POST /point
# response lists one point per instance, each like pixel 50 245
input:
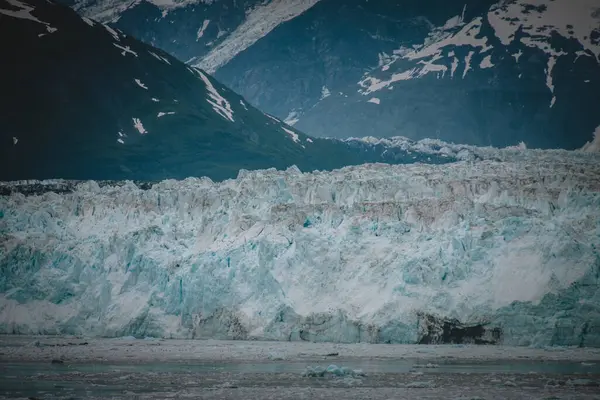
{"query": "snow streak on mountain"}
pixel 523 23
pixel 373 253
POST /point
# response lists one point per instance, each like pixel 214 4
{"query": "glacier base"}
pixel 502 251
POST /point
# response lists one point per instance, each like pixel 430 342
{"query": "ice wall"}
pixel 374 253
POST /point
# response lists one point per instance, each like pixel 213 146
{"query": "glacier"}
pixel 505 245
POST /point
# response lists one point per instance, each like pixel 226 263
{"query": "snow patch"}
pixel 432 51
pixel 292 118
pixel 454 66
pixel 15 140
pixel 539 19
pixel 137 124
pixel 24 12
pixel 162 114
pixel 292 134
pixel 486 62
pixel 126 50
pixel 325 93
pixel 154 99
pixel 112 32
pixel 467 36
pixel 163 59
pixel 218 102
pixel 272 117
pixel 202 29
pixel 553 57
pixel 374 100
pixel 468 59
pixel 518 55
pixel 140 84
pixel 88 21
pixel 259 21
pixel 372 84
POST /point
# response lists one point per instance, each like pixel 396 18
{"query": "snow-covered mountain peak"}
pixel 518 24
pixel 429 56
pixel 540 19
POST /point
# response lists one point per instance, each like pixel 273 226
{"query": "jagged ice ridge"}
pixel 357 254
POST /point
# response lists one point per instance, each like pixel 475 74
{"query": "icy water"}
pixel 283 379
pixel 136 369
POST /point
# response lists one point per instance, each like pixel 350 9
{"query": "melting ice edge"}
pixel 501 250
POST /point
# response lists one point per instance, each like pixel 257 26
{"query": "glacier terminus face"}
pixel 373 253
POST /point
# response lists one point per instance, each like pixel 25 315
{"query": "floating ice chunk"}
pixel 420 385
pixel 275 356
pixel 332 370
pixel 428 365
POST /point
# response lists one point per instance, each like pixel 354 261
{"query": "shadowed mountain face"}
pixel 469 71
pixel 81 100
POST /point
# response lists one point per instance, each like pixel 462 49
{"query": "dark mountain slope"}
pixel 484 72
pixel 80 100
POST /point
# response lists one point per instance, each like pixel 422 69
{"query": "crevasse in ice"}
pixel 358 254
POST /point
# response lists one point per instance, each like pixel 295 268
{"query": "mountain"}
pixel 82 100
pixel 502 250
pixel 483 72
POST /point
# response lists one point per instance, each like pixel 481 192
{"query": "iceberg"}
pixel 503 249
